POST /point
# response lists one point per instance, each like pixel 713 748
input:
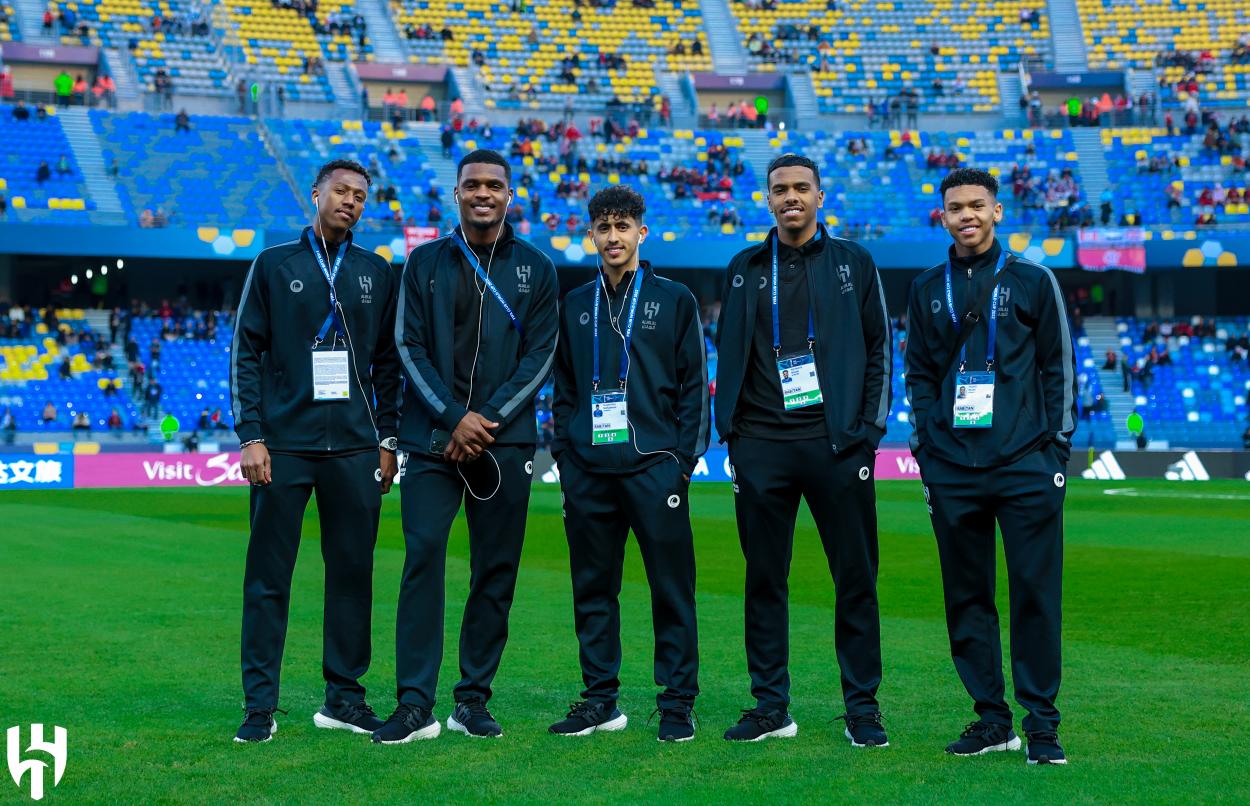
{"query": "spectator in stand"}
pixel 81 425
pixel 20 113
pixel 182 122
pixel 48 417
pixel 43 173
pixel 115 421
pixel 8 426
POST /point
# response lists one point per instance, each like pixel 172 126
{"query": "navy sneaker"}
pixel 865 730
pixel 980 738
pixel 357 717
pixel 1044 748
pixel 472 719
pixel 758 724
pixel 408 724
pixel 258 725
pixel 676 723
pixel 586 718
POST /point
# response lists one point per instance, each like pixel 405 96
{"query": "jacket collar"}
pixel 307 241
pixel 813 247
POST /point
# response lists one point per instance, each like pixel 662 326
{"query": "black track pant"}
pixel 770 479
pixel 431 492
pixel 1026 499
pixel 348 504
pixel 599 511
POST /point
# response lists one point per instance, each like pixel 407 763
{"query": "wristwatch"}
pixel 389 444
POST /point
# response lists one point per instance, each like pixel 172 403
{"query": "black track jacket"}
pixel 284 303
pixel 1034 374
pixel 511 367
pixel 854 351
pixel 667 396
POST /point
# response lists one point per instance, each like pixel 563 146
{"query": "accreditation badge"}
pixel 974 399
pixel 331 375
pixel 609 421
pixel 799 384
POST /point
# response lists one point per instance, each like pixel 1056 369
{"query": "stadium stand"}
pixel 1190 381
pixel 173 36
pixel 560 181
pixel 217 174
pixel 523 48
pixel 307 145
pixel 1176 179
pixel 862 53
pixel 278 46
pixel 9 30
pixel 900 162
pixel 33 142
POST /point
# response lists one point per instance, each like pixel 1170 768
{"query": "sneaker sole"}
pixel 784 732
pixel 272 731
pixel 857 744
pixel 1047 762
pixel 611 726
pixel 1013 743
pixel 675 741
pixel 330 723
pixel 453 724
pixel 430 732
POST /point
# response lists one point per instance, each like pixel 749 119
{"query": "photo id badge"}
pixel 331 375
pixel 799 385
pixel 974 399
pixel 609 423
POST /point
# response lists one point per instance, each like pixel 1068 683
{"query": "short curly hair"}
pixel 346 165
pixel 618 200
pixel 969 176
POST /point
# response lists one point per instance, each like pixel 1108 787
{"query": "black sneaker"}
pixel 980 738
pixel 676 723
pixel 258 725
pixel 586 718
pixel 1044 748
pixel 408 724
pixel 865 730
pixel 757 724
pixel 472 719
pixel 357 718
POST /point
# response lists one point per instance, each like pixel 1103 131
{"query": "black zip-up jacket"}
pixel 854 351
pixel 667 390
pixel 1034 371
pixel 511 367
pixel 285 300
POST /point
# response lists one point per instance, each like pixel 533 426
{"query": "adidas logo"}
pixel 1104 468
pixel 1189 468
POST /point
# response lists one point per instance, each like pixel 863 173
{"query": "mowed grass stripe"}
pixel 120 620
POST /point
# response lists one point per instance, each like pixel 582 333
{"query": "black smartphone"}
pixel 439 440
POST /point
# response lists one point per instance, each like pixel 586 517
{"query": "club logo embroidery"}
pixel 296 286
pixel 523 279
pixel 1059 481
pixel 1004 302
pixel 650 310
pixel 674 501
pixel 366 289
pixel 584 319
pixel 936 306
pixel 529 468
pixel 737 283
pixel 864 473
pixel 844 274
pixel 763 283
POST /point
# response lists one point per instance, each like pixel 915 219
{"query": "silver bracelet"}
pixel 252 442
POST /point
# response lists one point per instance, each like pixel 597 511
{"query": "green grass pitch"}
pixel 120 612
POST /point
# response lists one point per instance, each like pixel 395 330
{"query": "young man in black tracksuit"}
pixel 993 425
pixel 803 391
pixel 315 385
pixel 476 331
pixel 631 419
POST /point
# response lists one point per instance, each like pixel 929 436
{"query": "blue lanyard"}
pixel 628 335
pixel 811 323
pixel 332 319
pixel 991 341
pixel 481 273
